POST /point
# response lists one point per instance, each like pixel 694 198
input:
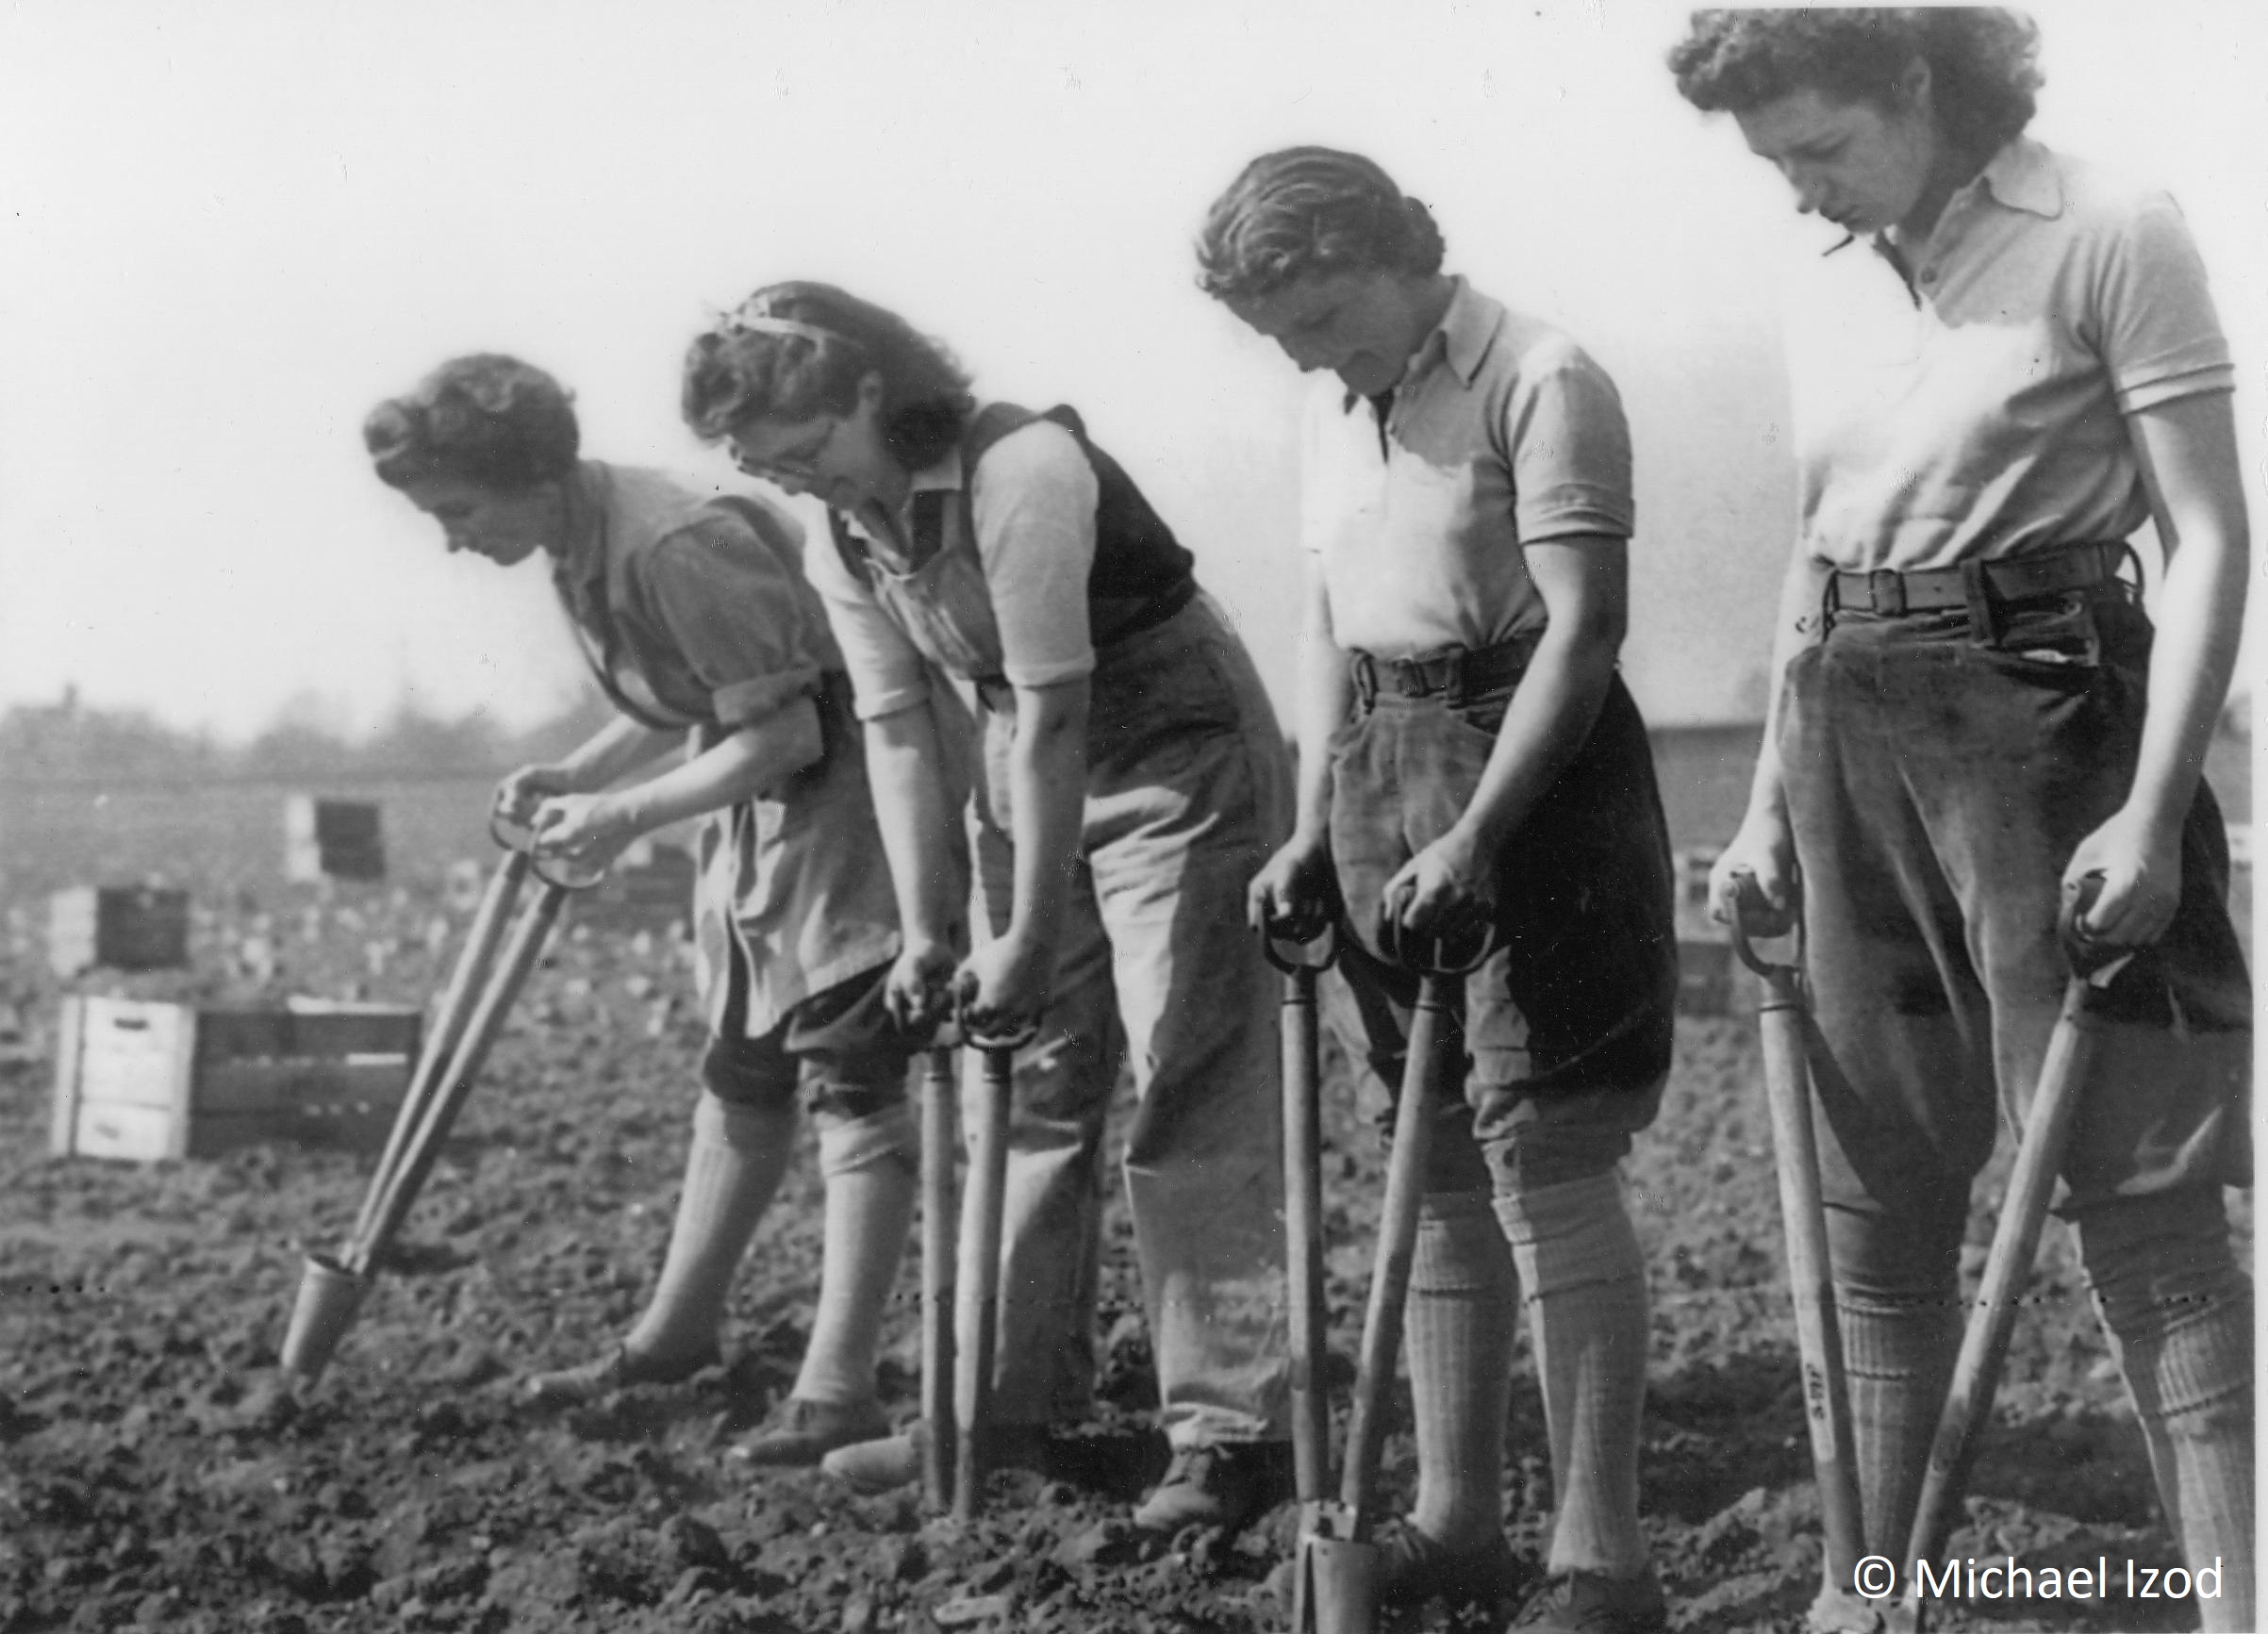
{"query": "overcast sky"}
pixel 231 227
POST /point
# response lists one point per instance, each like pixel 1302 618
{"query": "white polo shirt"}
pixel 1503 433
pixel 1982 411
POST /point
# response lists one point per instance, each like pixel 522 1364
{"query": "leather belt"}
pixel 1456 673
pixel 1890 594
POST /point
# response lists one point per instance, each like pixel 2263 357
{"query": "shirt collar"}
pixel 1467 328
pixel 2022 175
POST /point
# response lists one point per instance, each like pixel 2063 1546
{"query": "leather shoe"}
pixel 1224 1484
pixel 1416 1569
pixel 801 1432
pixel 621 1368
pixel 895 1461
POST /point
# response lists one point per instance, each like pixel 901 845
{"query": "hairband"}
pixel 764 324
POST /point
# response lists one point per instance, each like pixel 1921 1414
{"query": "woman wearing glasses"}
pixel 693 610
pixel 1131 780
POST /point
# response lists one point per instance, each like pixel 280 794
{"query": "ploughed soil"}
pixel 156 1471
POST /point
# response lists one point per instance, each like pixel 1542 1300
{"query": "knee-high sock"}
pixel 871 1166
pixel 738 1156
pixel 1584 1279
pixel 2180 1315
pixel 1898 1360
pixel 1459 1324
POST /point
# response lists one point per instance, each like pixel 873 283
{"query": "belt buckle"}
pixel 1886 590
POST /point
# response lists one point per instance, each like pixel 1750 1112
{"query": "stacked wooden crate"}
pixel 125 927
pixel 337 840
pixel 147 1081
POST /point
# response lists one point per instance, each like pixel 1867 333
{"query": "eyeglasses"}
pixel 800 459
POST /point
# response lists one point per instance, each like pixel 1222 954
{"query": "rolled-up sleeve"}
pixel 2160 337
pixel 887 671
pixel 730 603
pixel 1033 499
pixel 1570 451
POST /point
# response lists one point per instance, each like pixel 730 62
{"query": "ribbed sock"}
pixel 870 1169
pixel 1459 1322
pixel 1897 1358
pixel 2179 1314
pixel 1580 1265
pixel 739 1157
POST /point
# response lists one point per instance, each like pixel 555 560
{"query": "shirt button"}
pixel 1929 274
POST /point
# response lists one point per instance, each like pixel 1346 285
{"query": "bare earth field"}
pixel 155 1474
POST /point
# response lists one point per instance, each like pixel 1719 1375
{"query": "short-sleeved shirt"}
pixel 1502 433
pixel 1981 410
pixel 1022 615
pixel 697 607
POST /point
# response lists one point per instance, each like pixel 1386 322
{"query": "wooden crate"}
pixel 126 926
pixel 144 1080
pixel 339 840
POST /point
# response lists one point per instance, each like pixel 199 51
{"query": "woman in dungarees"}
pixel 1130 781
pixel 1469 759
pixel 2005 361
pixel 692 607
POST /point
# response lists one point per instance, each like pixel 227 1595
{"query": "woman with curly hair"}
pixel 2004 364
pixel 1130 783
pixel 1469 758
pixel 694 611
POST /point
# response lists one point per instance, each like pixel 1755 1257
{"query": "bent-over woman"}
pixel 1131 779
pixel 694 613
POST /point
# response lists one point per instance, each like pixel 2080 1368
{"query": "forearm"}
pixel 615 751
pixel 905 764
pixel 739 767
pixel 2190 463
pixel 1326 695
pixel 1047 793
pixel 2200 619
pixel 1550 714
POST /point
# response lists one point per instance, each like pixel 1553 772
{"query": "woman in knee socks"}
pixel 693 612
pixel 2006 363
pixel 1470 762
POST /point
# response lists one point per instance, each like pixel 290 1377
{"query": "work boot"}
pixel 621 1368
pixel 801 1432
pixel 1228 1484
pixel 1415 1569
pixel 871 1467
pixel 1594 1602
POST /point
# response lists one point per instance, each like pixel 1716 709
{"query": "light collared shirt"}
pixel 1502 434
pixel 1032 509
pixel 1981 410
pixel 691 603
pixel 696 606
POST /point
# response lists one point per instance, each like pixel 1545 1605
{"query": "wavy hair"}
pixel 1983 62
pixel 485 419
pixel 1311 211
pixel 795 351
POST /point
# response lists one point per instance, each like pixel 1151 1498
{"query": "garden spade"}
pixel 2063 1071
pixel 479 997
pixel 1782 1024
pixel 1336 1586
pixel 1303 1211
pixel 940 1223
pixel 979 1302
